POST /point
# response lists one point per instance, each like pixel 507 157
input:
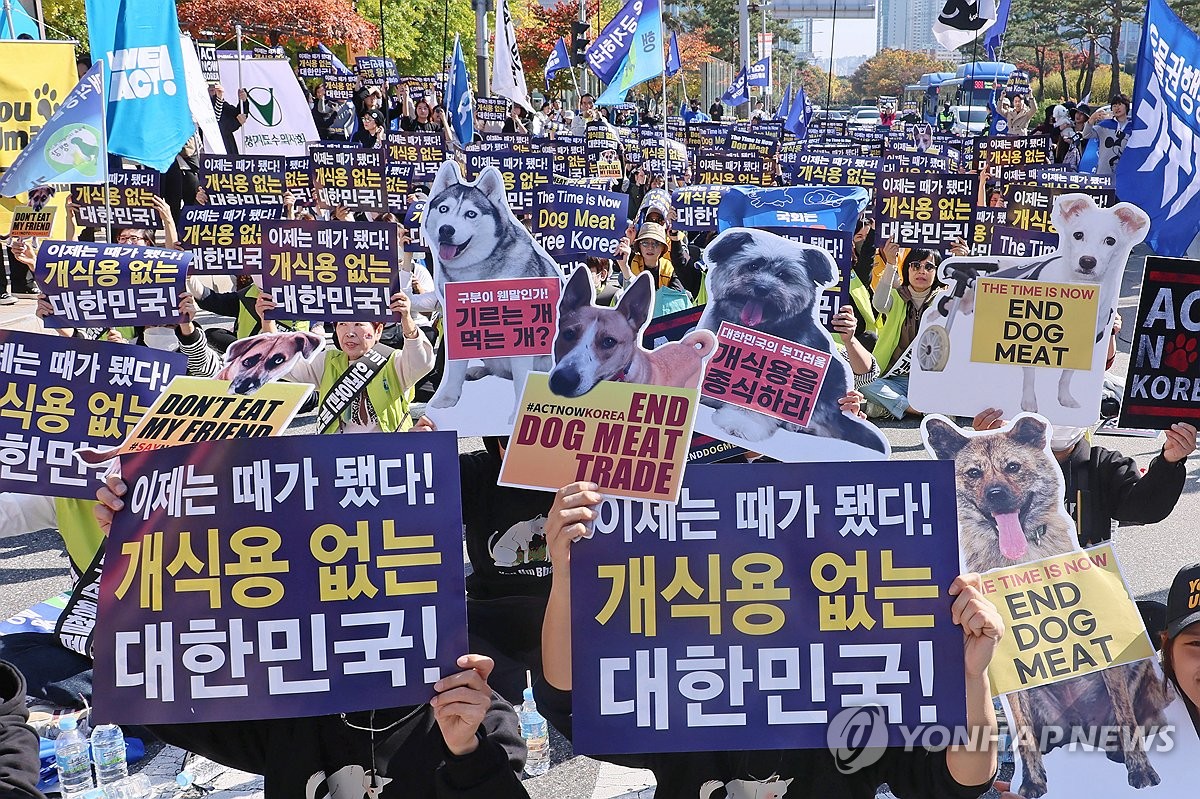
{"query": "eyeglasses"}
pixel 924 266
pixel 131 238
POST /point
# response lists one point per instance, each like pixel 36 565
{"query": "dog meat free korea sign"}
pixel 1031 323
pixel 1068 615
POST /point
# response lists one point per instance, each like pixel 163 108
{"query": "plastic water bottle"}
pixel 537 739
pixel 73 760
pixel 108 753
pixel 136 786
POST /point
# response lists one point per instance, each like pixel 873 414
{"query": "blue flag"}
pixel 673 62
pixel 460 102
pixel 70 146
pixel 558 61
pixel 798 115
pixel 1158 169
pixel 606 55
pixel 736 94
pixel 149 119
pixel 786 105
pixel 760 73
pixel 644 58
pixel 992 41
pixel 22 23
pixel 341 68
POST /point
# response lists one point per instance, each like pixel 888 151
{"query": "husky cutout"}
pixel 474 236
pixel 1010 511
pixel 770 284
pixel 1093 249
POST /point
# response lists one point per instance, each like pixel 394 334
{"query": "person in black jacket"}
pixel 230 117
pixel 19 759
pixel 1104 488
pixel 955 772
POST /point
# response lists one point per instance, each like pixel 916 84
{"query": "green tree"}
pixel 889 71
pixel 417 33
pixel 720 18
pixel 66 18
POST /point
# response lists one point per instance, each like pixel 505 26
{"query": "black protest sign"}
pixel 925 209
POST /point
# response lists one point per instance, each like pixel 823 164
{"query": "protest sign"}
pixel 1030 207
pixel 491 111
pixel 130 192
pixel 1034 323
pixel 925 210
pixel 339 88
pixel 412 226
pixel 243 179
pixel 111 285
pixel 696 207
pixel 761 281
pixel 1161 385
pixel 493 142
pixel 766 146
pixel 1067 615
pixel 827 169
pixel 723 167
pixel 817 598
pixel 659 157
pixel 708 134
pixel 225 240
pixel 350 177
pixel 32 224
pixel 500 318
pixel 330 271
pixel 899 160
pixel 57 399
pixel 525 175
pixel 1018 243
pixel 376 70
pixel 358 602
pixel 421 87
pixel 570 157
pixel 425 151
pixel 314 64
pixel 584 220
pixel 1003 152
pixel 398 183
pixel 832 207
pixel 944 378
pixel 195 409
pixel 297 178
pixel 1061 177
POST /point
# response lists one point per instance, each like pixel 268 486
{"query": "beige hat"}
pixel 654 232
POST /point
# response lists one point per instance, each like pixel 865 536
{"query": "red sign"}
pixel 501 318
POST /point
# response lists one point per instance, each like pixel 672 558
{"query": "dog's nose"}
pixel 997 494
pixel 564 382
pixel 1087 263
pixel 246 386
pixel 446 232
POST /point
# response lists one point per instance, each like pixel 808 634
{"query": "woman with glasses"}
pixel 902 296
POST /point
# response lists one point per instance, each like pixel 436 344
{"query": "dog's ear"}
pixel 307 344
pixel 728 245
pixel 943 438
pixel 578 293
pixel 447 176
pixel 637 300
pixel 820 266
pixel 1031 431
pixel 491 183
pixel 1134 221
pixel 1068 207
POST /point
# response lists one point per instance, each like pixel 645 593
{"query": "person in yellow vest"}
pixel 347 405
pixel 651 256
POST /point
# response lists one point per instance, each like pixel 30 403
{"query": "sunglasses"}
pixel 924 266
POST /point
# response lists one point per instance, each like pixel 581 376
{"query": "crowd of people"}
pixel 465 742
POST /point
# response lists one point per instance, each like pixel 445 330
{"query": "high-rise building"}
pixel 908 25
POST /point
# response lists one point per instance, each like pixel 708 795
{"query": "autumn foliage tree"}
pixel 304 21
pixel 889 71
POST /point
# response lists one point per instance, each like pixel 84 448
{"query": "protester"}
pixel 954 772
pixel 230 118
pixel 540 125
pixel 323 111
pixel 372 130
pixel 651 243
pixel 19 749
pixel 716 110
pixel 1181 640
pixel 945 117
pixel 240 305
pixel 587 113
pixel 416 116
pixel 515 122
pixel 1018 112
pixel 1109 129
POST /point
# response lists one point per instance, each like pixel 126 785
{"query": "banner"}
pixel 808 206
pixel 1018 243
pixel 825 169
pixel 358 601
pixel 149 119
pixel 606 54
pixel 279 122
pixel 1002 152
pixel 961 22
pixel 644 57
pixel 525 175
pixel 131 194
pixel 111 285
pixel 225 241
pixel 766 146
pixel 331 271
pixel 925 210
pixel 508 76
pixel 570 219
pixel 33 75
pixel 57 399
pixel 350 177
pixel 501 318
pixel 374 70
pixel 243 180
pixel 314 64
pixel 1162 385
pixel 760 73
pixel 765 610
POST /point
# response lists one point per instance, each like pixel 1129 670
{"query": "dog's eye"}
pixel 251 360
pixel 471 214
pixel 974 472
pixel 275 360
pixel 569 334
pixel 1078 234
pixel 608 342
pixel 1110 240
pixel 1012 468
pixel 442 209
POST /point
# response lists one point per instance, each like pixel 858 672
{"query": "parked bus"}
pixel 972 84
pixel 925 94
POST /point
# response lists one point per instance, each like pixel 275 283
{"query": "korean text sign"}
pixel 525 175
pixel 350 177
pixel 111 285
pixel 356 602
pixel 243 179
pixel 330 270
pixel 225 240
pixel 769 598
pixel 1032 323
pixel 577 219
pixel 1065 616
pixel 58 399
pixel 130 191
pixel 501 318
pixel 926 209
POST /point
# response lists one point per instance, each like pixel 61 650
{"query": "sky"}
pixel 852 37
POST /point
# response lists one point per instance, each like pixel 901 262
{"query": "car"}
pixel 866 118
pixel 831 116
pixel 968 120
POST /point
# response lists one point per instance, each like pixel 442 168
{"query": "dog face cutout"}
pixel 251 363
pixel 465 223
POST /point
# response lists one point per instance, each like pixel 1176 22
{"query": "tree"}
pixel 303 21
pixel 67 18
pixel 419 34
pixel 719 19
pixel 889 71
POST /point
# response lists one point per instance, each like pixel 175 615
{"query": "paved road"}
pixel 33 566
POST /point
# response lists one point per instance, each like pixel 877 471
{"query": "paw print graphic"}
pixel 46 104
pixel 1181 353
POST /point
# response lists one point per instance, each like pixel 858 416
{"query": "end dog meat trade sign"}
pixel 1163 382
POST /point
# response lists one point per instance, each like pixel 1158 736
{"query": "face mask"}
pixel 1063 438
pixel 160 338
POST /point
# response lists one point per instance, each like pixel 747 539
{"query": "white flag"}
pixel 962 21
pixel 279 122
pixel 508 78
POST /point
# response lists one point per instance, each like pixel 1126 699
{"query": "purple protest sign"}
pixel 330 271
pixel 696 207
pixel 376 70
pixel 768 599
pixel 225 240
pixel 930 210
pixel 293 583
pixel 111 285
pixel 525 174
pixel 831 169
pixel 350 177
pixel 130 199
pixel 243 179
pixel 579 219
pixel 58 399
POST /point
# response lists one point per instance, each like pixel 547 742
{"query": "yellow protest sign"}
pixel 32 224
pixel 193 409
pixel 631 439
pixel 34 77
pixel 1030 323
pixel 1065 616
pixel 58 203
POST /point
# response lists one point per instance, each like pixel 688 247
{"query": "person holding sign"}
pixel 652 243
pixel 1181 641
pixel 954 772
pixel 365 386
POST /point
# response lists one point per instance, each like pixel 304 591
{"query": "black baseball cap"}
pixel 1183 602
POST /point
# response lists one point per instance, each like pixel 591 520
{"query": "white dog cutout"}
pixel 512 546
pixel 1093 249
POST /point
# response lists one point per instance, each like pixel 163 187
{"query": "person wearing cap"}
pixel 1103 487
pixel 1181 640
pixel 649 253
pixel 372 130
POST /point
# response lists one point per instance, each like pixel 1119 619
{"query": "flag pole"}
pixel 241 128
pixel 104 151
pixel 663 79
